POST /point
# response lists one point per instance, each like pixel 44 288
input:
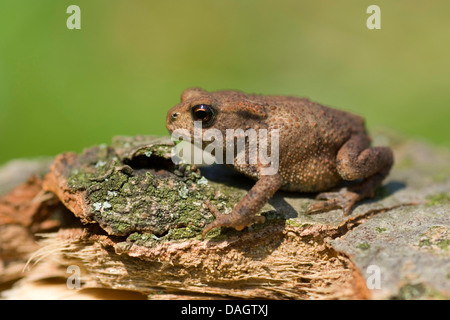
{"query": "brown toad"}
pixel 319 147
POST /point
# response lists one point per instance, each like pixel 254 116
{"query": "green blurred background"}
pixel 63 90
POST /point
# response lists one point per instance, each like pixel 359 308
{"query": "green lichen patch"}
pixel 380 229
pixel 363 246
pixel 441 198
pixel 134 189
pixel 411 291
pixel 435 240
pixel 416 291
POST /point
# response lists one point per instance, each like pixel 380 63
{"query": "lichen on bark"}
pixel 133 189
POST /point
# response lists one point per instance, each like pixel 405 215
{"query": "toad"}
pixel 319 148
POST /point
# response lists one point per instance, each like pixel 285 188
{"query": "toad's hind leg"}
pixel 356 160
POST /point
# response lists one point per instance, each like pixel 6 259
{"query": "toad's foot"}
pixel 233 220
pixel 343 199
pixel 244 212
pixel 347 197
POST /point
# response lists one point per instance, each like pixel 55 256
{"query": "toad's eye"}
pixel 203 113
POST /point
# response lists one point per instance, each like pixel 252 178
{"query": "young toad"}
pixel 319 147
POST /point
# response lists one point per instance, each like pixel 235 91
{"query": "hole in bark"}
pixel 157 165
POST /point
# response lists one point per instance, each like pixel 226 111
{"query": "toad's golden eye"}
pixel 203 113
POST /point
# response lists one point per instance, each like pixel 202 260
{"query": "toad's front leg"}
pixel 244 213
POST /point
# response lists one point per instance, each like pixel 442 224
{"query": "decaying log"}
pixel 130 219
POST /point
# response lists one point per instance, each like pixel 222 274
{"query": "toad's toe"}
pixel 334 200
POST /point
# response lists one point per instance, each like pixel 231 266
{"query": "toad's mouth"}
pixel 179 135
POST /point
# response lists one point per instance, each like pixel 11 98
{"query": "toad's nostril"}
pixel 175 115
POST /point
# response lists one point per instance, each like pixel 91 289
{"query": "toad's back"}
pixel 310 136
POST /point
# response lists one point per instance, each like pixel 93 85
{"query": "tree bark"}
pixel 130 219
